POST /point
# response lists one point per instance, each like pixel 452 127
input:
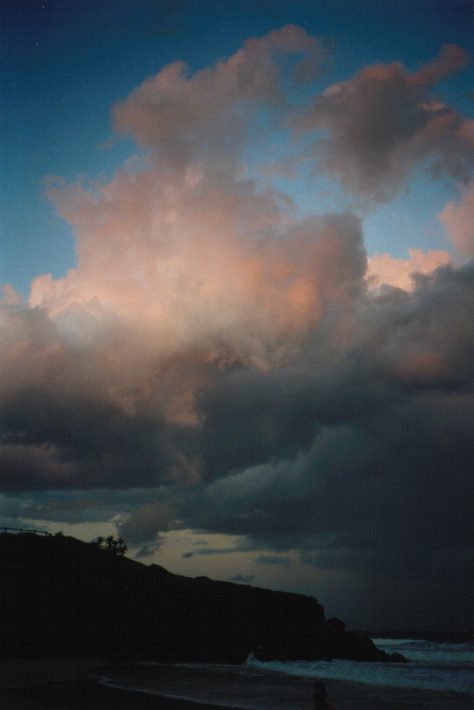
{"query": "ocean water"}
pixel 432 666
pixel 438 675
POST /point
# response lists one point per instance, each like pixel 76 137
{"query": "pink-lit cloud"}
pixel 387 270
pixel 194 262
pixel 458 218
pixel 203 117
pixel 383 122
pixel 10 295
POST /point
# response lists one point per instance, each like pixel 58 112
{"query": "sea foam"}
pixel 430 668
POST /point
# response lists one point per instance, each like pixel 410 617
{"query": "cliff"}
pixel 62 597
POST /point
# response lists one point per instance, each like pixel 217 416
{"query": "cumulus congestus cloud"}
pixel 223 358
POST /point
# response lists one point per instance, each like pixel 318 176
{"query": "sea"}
pixel 439 674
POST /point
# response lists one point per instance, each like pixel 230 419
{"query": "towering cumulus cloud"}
pixel 229 355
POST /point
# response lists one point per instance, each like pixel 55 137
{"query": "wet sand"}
pixel 73 685
pixel 89 697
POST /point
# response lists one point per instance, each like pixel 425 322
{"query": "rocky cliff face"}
pixel 62 597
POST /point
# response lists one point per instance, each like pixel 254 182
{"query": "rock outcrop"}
pixel 62 597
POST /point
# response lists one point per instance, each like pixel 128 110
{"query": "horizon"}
pixel 238 293
pixel 424 634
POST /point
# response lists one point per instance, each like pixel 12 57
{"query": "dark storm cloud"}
pixel 393 563
pixel 273 560
pixel 80 506
pixel 380 432
pixel 402 345
pixel 51 442
pixel 147 521
pixel 62 427
pixel 387 473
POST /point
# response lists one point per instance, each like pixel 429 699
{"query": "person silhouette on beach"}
pixel 320 697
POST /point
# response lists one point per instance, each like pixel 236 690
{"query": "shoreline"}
pixel 93 696
pixel 75 684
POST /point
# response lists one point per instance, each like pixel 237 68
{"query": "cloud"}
pixel 387 270
pixel 363 418
pixel 148 520
pixel 383 122
pixel 149 549
pixel 211 551
pixel 179 279
pixel 242 578
pixel 198 262
pixel 68 420
pixel 458 218
pixel 10 296
pixel 81 506
pixel 273 560
pixel 218 362
pixel 203 117
pixel 375 450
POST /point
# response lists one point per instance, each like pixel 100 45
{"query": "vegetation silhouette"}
pixel 116 546
pixel 61 597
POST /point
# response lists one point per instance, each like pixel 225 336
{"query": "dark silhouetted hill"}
pixel 61 597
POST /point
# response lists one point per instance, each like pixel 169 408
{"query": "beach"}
pixel 72 684
pixel 78 684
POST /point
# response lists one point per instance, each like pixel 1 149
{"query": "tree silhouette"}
pixel 110 544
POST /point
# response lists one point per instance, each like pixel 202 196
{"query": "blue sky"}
pixel 241 335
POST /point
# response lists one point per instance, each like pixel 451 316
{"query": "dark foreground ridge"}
pixel 64 598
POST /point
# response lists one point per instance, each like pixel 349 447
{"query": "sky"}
pixel 237 292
